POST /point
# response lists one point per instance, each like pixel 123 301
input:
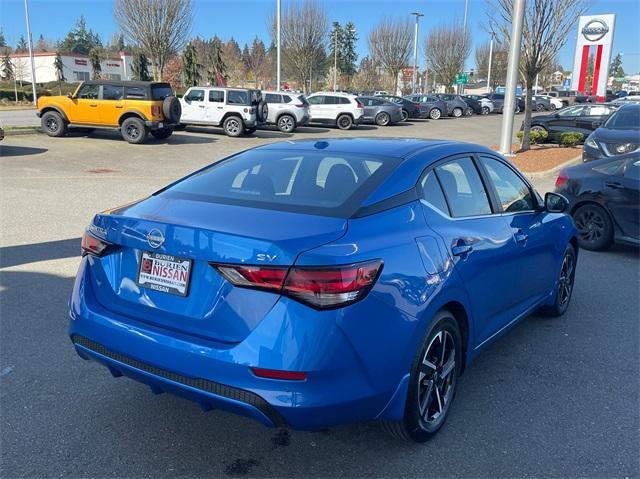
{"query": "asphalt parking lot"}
pixel 552 398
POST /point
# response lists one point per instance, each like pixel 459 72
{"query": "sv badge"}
pixel 266 257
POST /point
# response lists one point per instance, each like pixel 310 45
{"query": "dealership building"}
pixel 76 67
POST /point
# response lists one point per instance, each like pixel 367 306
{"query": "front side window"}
pixel 513 193
pixel 571 111
pixel 463 188
pixel 195 95
pixel 112 92
pixel 316 100
pixel 89 92
pixel 235 97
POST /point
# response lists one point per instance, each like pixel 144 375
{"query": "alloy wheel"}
pixel 565 281
pixel 286 124
pixel 133 132
pixel 435 114
pixel 591 225
pixel 457 112
pixel 52 125
pixel 233 126
pixel 485 110
pixel 436 381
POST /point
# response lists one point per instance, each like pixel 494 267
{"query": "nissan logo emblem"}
pixel 155 238
pixel 594 30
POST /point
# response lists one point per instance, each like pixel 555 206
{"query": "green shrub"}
pixel 535 136
pixel 571 138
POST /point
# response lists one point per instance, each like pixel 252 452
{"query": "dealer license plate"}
pixel 165 273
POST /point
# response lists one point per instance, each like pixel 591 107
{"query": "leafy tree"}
pixel 7 67
pixel 140 67
pixel 42 45
pixel 59 68
pixel 3 41
pixel 255 59
pixel 80 39
pixel 190 65
pixel 367 79
pixel 232 56
pixel 22 46
pixel 217 71
pixel 173 72
pixel 96 55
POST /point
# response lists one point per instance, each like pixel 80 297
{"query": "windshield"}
pixel 624 119
pixel 330 184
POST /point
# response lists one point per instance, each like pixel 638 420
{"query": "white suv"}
pixel 287 110
pixel 236 110
pixel 340 109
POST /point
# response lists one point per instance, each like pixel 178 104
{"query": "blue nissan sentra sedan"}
pixel 313 283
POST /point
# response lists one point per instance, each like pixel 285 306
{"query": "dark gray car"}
pixel 539 103
pixel 456 106
pixel 436 108
pixel 380 111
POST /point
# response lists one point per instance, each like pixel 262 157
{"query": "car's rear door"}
pixel 215 106
pixel 111 103
pixel 457 206
pixel 317 108
pixel 623 197
pixel 533 266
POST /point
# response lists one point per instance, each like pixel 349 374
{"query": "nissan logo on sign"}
pixel 595 30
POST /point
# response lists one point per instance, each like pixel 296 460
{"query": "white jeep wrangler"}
pixel 236 110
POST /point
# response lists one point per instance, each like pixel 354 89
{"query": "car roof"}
pixel 334 93
pixel 124 82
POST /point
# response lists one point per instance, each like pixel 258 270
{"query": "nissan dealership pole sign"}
pixel 595 36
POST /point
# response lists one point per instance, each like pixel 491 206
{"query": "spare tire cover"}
pixel 172 109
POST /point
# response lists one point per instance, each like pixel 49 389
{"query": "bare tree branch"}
pixel 446 49
pixel 390 46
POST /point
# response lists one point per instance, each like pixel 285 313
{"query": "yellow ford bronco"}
pixel 135 107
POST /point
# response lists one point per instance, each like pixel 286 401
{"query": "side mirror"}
pixel 71 95
pixel 555 203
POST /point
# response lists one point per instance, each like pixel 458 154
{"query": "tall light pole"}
pixel 278 45
pixel 335 60
pixel 493 36
pixel 33 66
pixel 506 134
pixel 415 50
pixel 464 27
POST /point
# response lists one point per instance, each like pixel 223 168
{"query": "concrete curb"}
pixel 538 174
pixel 25 130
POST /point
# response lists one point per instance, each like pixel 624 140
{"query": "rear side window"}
pixel 112 92
pixel 331 100
pixel 344 101
pixel 216 96
pixel 463 188
pixel 235 97
pixel 432 193
pixel 273 98
pixel 161 91
pixel 304 182
pixel 286 99
pixel 513 193
pixel 136 93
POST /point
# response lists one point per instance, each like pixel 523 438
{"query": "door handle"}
pixel 200 106
pixel 219 107
pixel 119 106
pixel 614 184
pixel 520 236
pixel 461 248
pixel 93 104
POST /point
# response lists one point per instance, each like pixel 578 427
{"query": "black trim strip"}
pixel 396 200
pixel 206 385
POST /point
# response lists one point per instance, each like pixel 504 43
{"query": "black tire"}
pixel 53 124
pixel 564 286
pixel 540 107
pixel 456 112
pixel 263 111
pixel 163 133
pixel 469 112
pixel 383 119
pixel 485 110
pixel 419 424
pixel 180 127
pixel 435 114
pixel 405 115
pixel 133 130
pixel 344 122
pixel 595 228
pixel 172 109
pixel 538 128
pixel 250 131
pixel 517 108
pixel 233 126
pixel 286 124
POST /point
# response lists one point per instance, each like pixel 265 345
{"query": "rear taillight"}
pixel 93 246
pixel 562 179
pixel 318 287
pixel 359 105
pixel 279 374
pixel 155 110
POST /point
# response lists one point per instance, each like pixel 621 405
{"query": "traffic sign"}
pixel 461 79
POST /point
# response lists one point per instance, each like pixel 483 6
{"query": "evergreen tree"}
pixel 246 58
pixel 140 67
pixel 217 71
pixel 41 44
pixel 336 39
pixel 190 65
pixel 348 55
pixel 255 60
pixel 7 67
pixel 22 47
pixel 80 39
pixel 616 70
pixel 59 68
pixel 3 41
pixel 96 55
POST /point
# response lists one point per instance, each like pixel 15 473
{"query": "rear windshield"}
pixel 624 119
pixel 329 184
pixel 160 92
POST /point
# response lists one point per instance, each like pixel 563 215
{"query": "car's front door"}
pixel 85 108
pixel 623 197
pixel 563 121
pixel 194 106
pixel 480 243
pixel 533 266
pixel 215 106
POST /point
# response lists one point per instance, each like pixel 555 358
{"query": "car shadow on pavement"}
pixel 312 129
pixel 178 138
pixel 8 150
pixel 32 253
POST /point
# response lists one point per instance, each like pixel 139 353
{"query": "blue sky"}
pixel 244 19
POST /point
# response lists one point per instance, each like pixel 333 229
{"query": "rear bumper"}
pixel 158 125
pixel 339 387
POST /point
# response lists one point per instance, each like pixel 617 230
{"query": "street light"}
pixel 335 60
pixel 278 44
pixel 493 36
pixel 33 67
pixel 415 50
